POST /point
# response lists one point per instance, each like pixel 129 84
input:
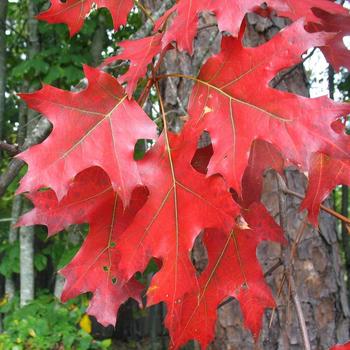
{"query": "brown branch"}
pixel 287 260
pixel 145 11
pixel 273 268
pixel 208 26
pixel 291 70
pixel 300 233
pixel 39 134
pixel 323 207
pixel 279 292
pixel 12 150
pixel 299 312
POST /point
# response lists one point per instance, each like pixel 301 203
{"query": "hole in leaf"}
pixel 199 254
pixel 341 125
pixel 141 147
pixel 203 154
pixel 114 280
pixel 285 81
pixel 105 268
pixel 112 245
pixel 235 195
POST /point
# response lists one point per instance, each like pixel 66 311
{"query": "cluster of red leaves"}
pixel 341 347
pixel 157 206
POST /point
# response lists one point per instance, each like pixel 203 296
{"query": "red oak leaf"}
pixel 181 203
pixel 90 190
pixel 336 53
pixel 262 157
pixel 305 9
pixel 233 270
pixel 140 53
pixel 91 199
pixel 95 127
pixel 74 12
pixel 233 101
pixel 325 174
pixel 341 347
pixel 229 14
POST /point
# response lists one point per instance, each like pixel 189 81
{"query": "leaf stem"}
pixel 143 97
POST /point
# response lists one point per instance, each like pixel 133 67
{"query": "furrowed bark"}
pixel 345 228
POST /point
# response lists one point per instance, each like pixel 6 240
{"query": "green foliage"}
pixel 9 263
pixel 46 324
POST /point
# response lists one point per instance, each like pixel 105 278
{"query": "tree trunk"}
pixel 3 14
pixel 317 271
pixel 27 280
pixel 98 41
pixel 17 201
pixel 13 236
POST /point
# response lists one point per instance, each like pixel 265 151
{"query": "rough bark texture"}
pixel 317 267
pixel 345 229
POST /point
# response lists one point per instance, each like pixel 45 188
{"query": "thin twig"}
pixel 299 311
pixel 39 134
pixel 267 273
pixel 273 268
pixel 287 261
pixel 145 11
pixel 291 70
pixel 300 233
pixel 207 26
pixel 279 292
pixel 323 207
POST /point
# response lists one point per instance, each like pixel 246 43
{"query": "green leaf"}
pixel 40 262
